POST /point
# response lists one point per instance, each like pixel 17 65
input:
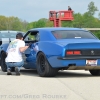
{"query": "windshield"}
pixel 73 34
pixel 8 35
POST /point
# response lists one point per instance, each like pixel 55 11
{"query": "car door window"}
pixel 37 37
pixel 32 36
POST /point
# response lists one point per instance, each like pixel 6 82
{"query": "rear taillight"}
pixel 69 52
pixel 77 52
pixel 73 52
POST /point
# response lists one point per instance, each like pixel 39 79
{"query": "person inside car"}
pixel 33 51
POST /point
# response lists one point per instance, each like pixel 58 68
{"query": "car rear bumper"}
pixel 74 63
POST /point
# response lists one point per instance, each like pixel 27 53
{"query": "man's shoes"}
pixel 9 72
pixel 17 71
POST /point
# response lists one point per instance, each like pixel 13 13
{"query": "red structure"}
pixel 59 16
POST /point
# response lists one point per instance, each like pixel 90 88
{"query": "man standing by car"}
pixel 14 54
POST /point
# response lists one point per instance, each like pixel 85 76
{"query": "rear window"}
pixel 73 34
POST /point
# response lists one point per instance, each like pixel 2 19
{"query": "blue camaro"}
pixel 54 49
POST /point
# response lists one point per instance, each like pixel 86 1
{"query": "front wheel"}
pixel 3 64
pixel 95 72
pixel 43 67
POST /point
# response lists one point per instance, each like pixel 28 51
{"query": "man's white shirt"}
pixel 13 52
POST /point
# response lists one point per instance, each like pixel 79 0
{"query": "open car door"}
pixel 29 56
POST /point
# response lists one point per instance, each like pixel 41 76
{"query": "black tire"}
pixel 95 72
pixel 44 69
pixel 3 64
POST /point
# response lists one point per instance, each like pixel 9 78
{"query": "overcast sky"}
pixel 33 10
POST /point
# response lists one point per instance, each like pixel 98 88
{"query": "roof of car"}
pixel 57 28
pixel 9 31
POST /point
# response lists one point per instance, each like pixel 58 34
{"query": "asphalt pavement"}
pixel 67 85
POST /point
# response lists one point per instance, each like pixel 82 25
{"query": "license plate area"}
pixel 91 62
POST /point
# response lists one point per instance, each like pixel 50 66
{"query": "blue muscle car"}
pixel 60 48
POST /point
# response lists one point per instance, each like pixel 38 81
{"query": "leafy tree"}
pixel 3 23
pixel 99 15
pixel 92 8
pixel 12 23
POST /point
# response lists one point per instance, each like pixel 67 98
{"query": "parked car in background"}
pixel 6 37
pixel 55 49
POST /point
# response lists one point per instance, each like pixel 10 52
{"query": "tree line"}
pixel 86 20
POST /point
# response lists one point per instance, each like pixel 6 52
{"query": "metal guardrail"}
pixel 94 29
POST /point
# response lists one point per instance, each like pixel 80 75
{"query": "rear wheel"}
pixel 43 67
pixel 3 64
pixel 95 72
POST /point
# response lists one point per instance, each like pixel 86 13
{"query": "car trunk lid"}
pixel 79 43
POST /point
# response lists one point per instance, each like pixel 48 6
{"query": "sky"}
pixel 33 10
